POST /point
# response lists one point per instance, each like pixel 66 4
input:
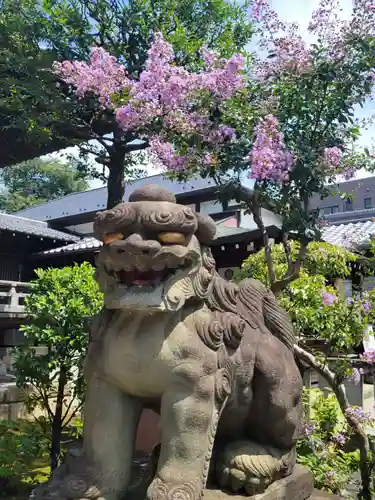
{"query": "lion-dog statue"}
pixel 214 358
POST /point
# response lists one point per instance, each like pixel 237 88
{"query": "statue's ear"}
pixel 206 229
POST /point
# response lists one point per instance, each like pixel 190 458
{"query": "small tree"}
pixel 60 302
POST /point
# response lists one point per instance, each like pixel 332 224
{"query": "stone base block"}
pixel 298 486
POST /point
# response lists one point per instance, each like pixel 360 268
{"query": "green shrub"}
pixel 24 452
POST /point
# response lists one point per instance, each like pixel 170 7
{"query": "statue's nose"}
pixel 135 244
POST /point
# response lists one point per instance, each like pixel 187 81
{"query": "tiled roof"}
pixel 16 224
pixel 347 235
pixel 80 246
pixel 91 243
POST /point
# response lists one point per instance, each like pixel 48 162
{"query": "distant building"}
pixel 338 210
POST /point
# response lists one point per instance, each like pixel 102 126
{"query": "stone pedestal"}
pixel 297 486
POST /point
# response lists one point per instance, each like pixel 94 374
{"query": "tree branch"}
pixel 250 197
pixel 256 211
pixel 44 397
pixel 293 270
pixel 287 249
pixel 87 150
pixel 68 408
pixel 79 407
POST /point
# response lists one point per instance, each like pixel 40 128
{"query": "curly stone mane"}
pixel 251 301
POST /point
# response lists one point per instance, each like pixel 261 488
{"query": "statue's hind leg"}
pixel 272 428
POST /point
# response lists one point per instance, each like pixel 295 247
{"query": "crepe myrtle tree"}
pixel 58 308
pixel 286 120
pixel 164 100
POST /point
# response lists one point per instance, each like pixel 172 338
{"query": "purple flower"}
pixel 308 429
pixel 164 93
pixel 289 50
pixel 368 356
pixel 102 76
pixel 332 157
pixel 269 157
pixel 166 153
pixel 209 57
pixel 367 306
pixel 355 376
pixel 338 439
pixel 358 413
pixel 329 475
pixel 328 299
pixel 349 173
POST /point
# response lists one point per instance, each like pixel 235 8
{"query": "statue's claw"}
pixel 249 466
pixel 236 480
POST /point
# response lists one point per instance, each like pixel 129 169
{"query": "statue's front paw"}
pixel 72 480
pixel 70 487
pixel 163 490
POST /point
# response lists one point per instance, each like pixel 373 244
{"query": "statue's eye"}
pixel 109 238
pixel 172 238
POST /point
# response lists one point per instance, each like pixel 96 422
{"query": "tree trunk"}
pixel 57 421
pixel 116 182
pixel 116 166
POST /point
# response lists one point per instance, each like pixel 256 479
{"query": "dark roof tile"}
pixel 16 224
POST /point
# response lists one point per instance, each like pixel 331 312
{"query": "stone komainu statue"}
pixel 214 358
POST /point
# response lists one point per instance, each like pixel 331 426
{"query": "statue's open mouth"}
pixel 153 277
pixel 142 278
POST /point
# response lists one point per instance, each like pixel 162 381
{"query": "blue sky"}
pixel 300 11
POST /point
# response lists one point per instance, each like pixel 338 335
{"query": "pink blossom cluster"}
pixel 166 153
pixel 165 94
pixel 269 158
pixel 325 17
pixel 369 356
pixel 288 49
pixel 328 299
pixel 102 76
pixel 332 157
pixel 290 54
